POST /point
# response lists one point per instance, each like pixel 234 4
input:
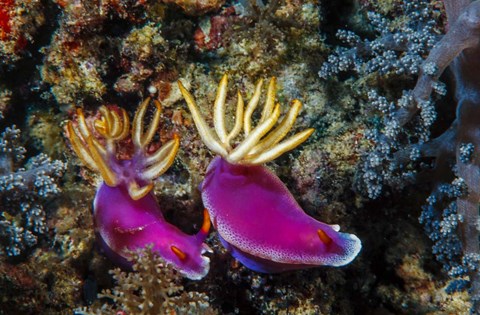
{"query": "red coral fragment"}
pixel 5 18
pixel 209 35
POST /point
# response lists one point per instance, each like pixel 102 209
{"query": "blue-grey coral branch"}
pixel 402 140
pixel 24 191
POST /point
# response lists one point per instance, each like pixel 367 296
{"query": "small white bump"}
pixel 152 90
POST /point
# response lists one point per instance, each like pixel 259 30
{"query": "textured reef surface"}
pixel 390 88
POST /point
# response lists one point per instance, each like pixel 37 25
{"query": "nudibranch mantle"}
pixel 126 214
pixel 256 216
pixel 254 212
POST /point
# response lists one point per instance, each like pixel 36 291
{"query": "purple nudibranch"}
pixel 256 216
pixel 126 214
pixel 258 219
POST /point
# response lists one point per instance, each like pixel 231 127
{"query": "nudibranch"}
pixel 256 216
pixel 126 214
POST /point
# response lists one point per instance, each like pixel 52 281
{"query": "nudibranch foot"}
pixel 255 215
pixel 259 264
pixel 126 214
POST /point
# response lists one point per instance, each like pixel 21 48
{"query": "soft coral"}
pixel 459 51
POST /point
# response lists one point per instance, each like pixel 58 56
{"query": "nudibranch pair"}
pixel 256 216
pixel 126 214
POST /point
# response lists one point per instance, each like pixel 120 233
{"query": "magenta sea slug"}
pixel 126 214
pixel 256 216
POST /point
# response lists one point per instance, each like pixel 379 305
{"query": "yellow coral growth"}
pixel 261 143
pixel 154 288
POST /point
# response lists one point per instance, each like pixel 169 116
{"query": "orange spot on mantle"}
pixel 324 237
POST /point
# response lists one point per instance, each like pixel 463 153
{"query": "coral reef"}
pixel 74 73
pixel 29 194
pixel 35 287
pixel 197 7
pixel 141 48
pixel 76 60
pixel 5 97
pixel 371 138
pixel 19 22
pixel 275 31
pixel 82 61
